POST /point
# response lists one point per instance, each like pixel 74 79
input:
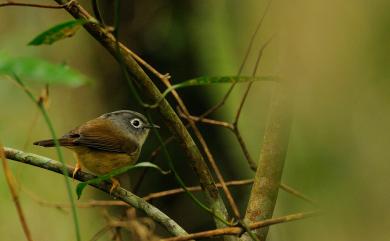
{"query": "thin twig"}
pixel 252 164
pixel 193 189
pixel 12 187
pixel 206 120
pixel 34 5
pixel 246 55
pixel 120 193
pixel 259 56
pixel 238 230
pixel 298 194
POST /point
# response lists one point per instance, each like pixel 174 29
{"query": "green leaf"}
pixel 80 187
pixel 218 80
pixel 40 71
pixel 58 32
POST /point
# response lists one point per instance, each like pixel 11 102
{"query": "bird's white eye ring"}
pixel 137 123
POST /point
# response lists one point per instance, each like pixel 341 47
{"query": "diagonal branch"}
pixel 120 193
pixel 151 92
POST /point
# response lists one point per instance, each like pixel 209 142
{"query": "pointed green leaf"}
pixel 80 187
pixel 40 71
pixel 218 80
pixel 58 32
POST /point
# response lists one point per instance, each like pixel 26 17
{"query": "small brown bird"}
pixel 111 141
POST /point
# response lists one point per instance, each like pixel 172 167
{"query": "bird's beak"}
pixel 150 126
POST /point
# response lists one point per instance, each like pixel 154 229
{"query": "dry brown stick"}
pixel 34 5
pixel 238 230
pixel 12 187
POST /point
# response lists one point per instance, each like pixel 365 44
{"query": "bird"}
pixel 108 142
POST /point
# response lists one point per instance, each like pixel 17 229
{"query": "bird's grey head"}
pixel 136 124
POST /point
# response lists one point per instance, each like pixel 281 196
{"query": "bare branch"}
pixel 120 193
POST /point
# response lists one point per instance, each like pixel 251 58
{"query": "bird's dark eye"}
pixel 136 123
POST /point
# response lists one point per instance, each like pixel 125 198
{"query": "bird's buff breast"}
pixel 101 162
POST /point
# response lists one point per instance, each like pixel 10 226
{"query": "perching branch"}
pixel 152 94
pixel 120 193
pixel 272 156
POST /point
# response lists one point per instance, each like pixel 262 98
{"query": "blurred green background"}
pixel 335 52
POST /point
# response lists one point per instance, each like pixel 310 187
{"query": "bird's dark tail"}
pixel 50 142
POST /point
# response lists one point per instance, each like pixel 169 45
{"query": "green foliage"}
pixel 80 187
pixel 58 32
pixel 40 71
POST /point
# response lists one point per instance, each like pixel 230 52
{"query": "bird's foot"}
pixel 115 184
pixel 76 169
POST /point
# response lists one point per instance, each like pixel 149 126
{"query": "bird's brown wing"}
pixel 101 134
